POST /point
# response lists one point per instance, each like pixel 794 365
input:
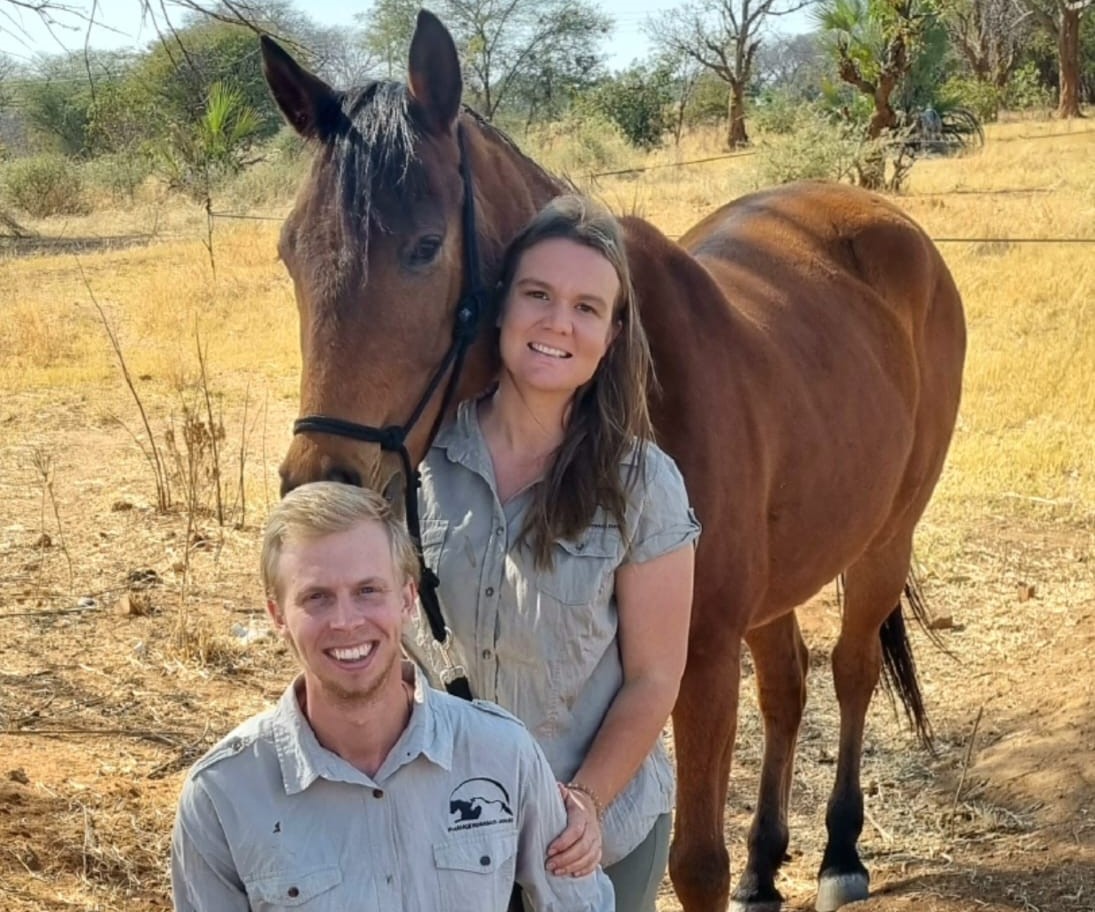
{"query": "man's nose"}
pixel 347 614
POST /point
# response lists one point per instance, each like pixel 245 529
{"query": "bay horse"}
pixel 808 342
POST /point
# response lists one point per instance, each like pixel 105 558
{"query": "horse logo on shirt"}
pixel 478 802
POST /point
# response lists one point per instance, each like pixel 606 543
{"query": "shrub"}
pixel 982 98
pixel 118 175
pixel 1025 90
pixel 816 149
pixel 45 185
pixel 580 143
pixel 776 112
pixel 637 101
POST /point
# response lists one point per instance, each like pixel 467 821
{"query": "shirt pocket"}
pixel 309 891
pixel 584 571
pixel 476 872
pixel 433 533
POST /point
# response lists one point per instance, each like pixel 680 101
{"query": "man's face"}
pixel 341 607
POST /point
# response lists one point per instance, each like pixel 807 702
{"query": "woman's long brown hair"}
pixel 609 422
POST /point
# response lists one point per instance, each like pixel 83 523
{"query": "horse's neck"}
pixel 511 188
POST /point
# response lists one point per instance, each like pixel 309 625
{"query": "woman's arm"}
pixel 654 601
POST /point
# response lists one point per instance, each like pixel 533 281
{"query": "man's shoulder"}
pixel 238 742
pixel 479 715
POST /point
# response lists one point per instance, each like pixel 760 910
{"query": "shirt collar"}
pixel 463 442
pixel 303 759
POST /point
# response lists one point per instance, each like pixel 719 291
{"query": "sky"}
pixel 23 36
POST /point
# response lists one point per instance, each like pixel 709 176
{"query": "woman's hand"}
pixel 577 850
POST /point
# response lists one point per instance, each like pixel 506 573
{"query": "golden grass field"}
pixel 105 702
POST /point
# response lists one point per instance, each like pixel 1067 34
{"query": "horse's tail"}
pixel 898 666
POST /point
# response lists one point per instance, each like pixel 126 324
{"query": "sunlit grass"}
pixel 1026 436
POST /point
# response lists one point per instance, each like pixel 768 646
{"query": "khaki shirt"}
pixel 544 644
pixel 463 805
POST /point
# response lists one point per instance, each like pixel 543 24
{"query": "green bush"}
pixel 637 101
pixel 816 149
pixel 45 185
pixel 118 175
pixel 982 98
pixel 579 144
pixel 1025 90
pixel 776 113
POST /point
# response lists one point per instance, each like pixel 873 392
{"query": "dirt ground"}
pixel 130 641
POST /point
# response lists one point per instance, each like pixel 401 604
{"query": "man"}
pixel 363 789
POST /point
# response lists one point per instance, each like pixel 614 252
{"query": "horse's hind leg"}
pixel 781 661
pixel 873 587
pixel 704 723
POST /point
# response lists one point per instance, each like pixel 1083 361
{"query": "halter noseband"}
pixel 393 438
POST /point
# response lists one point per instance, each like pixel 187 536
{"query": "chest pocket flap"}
pixel 584 566
pixel 288 891
pixel 480 854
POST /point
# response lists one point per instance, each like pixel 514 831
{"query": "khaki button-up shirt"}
pixel 543 644
pixel 463 806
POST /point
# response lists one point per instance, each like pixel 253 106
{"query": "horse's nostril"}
pixel 344 476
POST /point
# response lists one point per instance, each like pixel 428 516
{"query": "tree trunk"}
pixel 1068 48
pixel 737 137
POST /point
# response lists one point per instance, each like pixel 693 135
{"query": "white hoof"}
pixel 834 891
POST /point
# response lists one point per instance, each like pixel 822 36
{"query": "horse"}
pixel 808 342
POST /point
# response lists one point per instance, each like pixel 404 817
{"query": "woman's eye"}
pixel 425 249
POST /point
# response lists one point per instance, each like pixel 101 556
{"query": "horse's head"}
pixel 378 255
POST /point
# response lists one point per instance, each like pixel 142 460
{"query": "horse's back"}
pixel 825 331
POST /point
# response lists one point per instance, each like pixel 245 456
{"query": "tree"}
pixel 989 34
pixel 875 44
pixel 518 55
pixel 724 37
pixel 793 65
pixel 1062 19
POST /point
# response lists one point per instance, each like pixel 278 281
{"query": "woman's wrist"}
pixel 598 806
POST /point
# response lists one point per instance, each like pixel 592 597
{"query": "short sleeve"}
pixel 664 521
pixel 203 877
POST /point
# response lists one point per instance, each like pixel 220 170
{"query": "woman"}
pixel 564 544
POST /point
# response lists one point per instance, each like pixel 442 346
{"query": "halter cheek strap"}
pixel 393 438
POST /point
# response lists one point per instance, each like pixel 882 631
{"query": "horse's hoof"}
pixel 764 905
pixel 836 890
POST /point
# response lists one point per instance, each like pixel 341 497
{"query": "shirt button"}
pixel 499 531
pixel 490 590
pixel 293 892
pixel 484 860
pixel 487 654
pixel 378 793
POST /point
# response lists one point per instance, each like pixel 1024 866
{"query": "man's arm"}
pixel 203 876
pixel 541 817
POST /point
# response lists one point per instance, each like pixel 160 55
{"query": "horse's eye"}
pixel 425 249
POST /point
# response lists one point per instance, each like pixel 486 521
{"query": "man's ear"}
pixel 276 617
pixel 410 597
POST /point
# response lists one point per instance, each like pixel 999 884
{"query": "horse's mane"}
pixel 374 149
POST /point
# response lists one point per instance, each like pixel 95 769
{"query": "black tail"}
pixel 898 666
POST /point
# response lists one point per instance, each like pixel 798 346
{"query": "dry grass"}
pixel 136 683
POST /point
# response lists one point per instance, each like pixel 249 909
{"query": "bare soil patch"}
pixel 120 665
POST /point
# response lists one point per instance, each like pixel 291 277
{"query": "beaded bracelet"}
pixel 598 808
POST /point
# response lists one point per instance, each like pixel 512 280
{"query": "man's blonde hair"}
pixel 324 508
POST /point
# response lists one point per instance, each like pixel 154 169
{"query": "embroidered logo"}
pixel 478 802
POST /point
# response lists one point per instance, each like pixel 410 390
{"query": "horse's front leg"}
pixel 781 661
pixel 704 722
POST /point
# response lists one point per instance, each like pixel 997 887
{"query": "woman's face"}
pixel 558 317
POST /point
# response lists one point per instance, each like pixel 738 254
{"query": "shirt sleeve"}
pixel 203 875
pixel 542 818
pixel 664 520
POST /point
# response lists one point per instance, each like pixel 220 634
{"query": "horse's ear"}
pixel 310 105
pixel 434 74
